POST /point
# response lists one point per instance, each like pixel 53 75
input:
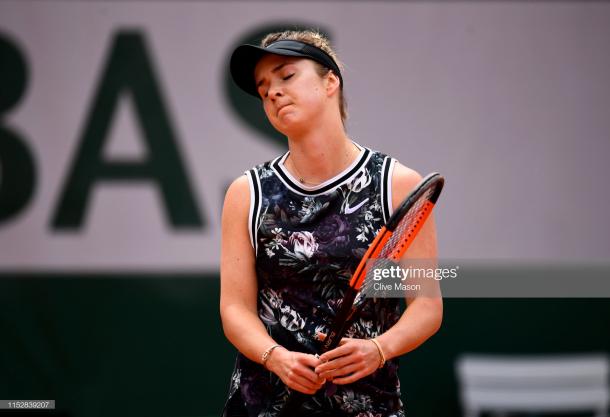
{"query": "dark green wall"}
pixel 120 345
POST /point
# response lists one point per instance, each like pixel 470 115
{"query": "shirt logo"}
pixel 350 210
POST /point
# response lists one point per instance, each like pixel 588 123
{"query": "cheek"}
pixel 268 110
pixel 314 100
pixel 313 93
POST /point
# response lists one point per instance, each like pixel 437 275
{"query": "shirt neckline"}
pixel 294 183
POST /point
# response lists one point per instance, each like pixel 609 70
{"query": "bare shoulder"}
pixel 235 241
pixel 404 180
pixel 239 185
pixel 237 197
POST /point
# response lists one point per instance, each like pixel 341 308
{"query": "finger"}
pixel 335 364
pixel 349 379
pixel 308 374
pixel 304 381
pixel 310 361
pixel 336 353
pixel 343 372
pixel 322 336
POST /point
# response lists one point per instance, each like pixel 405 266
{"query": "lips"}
pixel 282 106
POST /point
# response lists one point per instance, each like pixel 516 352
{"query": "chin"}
pixel 289 125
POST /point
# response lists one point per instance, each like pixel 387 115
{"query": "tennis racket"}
pixel 389 245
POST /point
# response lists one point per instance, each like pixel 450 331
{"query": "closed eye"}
pixel 289 76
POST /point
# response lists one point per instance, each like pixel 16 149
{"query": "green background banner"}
pixel 141 345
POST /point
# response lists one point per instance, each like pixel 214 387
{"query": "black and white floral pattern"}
pixel 308 248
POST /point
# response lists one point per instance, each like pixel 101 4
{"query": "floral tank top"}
pixel 308 242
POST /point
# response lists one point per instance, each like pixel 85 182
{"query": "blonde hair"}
pixel 318 40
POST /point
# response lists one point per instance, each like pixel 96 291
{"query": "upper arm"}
pixel 237 271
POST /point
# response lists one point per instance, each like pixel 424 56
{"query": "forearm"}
pixel 419 322
pixel 244 329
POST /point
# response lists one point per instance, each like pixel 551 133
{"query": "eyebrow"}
pixel 258 84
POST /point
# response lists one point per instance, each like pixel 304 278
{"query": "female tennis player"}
pixel 294 230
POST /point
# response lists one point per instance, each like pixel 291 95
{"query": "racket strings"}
pixel 407 228
pixel 368 286
pixel 395 247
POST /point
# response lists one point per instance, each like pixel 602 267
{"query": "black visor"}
pixel 245 58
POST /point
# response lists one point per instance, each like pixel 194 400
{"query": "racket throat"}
pixel 342 321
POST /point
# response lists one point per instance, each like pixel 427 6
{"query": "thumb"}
pixel 322 336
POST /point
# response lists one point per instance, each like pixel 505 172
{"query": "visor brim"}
pixel 244 60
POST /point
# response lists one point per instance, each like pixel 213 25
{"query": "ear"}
pixel 333 84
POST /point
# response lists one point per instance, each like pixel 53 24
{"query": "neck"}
pixel 320 155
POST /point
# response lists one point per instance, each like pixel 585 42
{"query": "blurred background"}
pixel 120 130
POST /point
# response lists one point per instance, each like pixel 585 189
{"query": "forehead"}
pixel 271 61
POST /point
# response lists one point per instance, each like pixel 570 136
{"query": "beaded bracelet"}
pixel 381 355
pixel 266 354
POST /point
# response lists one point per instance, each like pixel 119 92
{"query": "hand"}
pixel 295 369
pixel 351 360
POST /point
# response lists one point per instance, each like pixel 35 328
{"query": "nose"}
pixel 274 91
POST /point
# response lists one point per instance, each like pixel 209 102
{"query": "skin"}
pixel 305 108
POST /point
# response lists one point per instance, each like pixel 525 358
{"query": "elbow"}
pixel 232 317
pixel 224 320
pixel 437 314
pixel 434 314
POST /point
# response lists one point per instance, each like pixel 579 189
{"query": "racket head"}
pixel 428 189
pixel 393 240
pixel 403 226
pixel 410 216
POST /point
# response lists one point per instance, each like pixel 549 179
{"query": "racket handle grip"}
pixel 293 404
